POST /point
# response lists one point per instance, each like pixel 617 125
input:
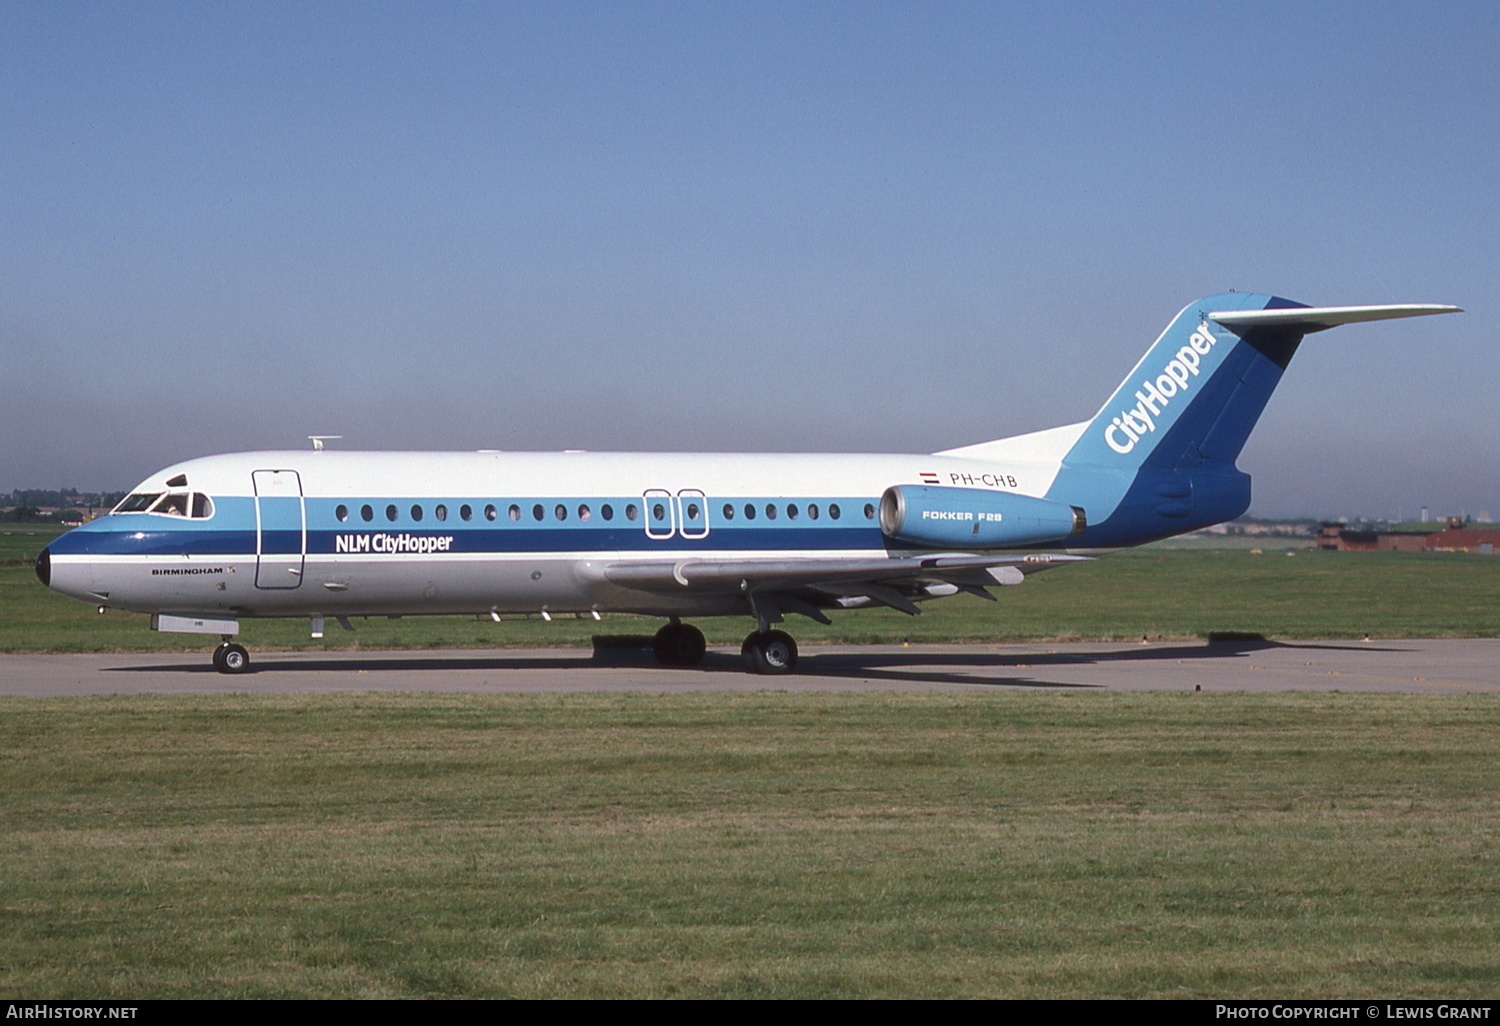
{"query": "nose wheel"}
pixel 231 658
pixel 771 652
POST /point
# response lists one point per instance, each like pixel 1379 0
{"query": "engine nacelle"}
pixel 974 518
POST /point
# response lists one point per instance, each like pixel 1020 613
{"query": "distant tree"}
pixel 27 515
pixel 52 498
pixel 44 496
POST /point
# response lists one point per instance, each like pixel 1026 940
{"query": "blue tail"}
pixel 1159 458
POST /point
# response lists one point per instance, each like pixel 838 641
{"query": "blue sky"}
pixel 806 226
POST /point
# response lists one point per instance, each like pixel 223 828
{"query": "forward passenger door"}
pixel 280 529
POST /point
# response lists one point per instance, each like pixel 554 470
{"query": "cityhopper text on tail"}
pixel 323 534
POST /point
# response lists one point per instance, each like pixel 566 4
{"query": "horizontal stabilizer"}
pixel 1307 319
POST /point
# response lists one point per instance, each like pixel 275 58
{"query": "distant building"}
pixel 1464 540
pixel 1337 537
pixel 1456 537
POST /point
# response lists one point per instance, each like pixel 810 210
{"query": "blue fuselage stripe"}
pixel 232 530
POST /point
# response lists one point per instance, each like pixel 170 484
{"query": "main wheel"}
pixel 772 652
pixel 231 658
pixel 679 644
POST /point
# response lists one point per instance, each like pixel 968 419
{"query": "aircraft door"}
pixel 280 528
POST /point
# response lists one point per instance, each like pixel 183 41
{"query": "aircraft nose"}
pixel 44 567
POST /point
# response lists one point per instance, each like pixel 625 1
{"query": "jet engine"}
pixel 974 518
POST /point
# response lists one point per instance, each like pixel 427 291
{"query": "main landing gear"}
pixel 231 658
pixel 679 644
pixel 770 652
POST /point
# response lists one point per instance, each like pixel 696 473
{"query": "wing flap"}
pixel 785 574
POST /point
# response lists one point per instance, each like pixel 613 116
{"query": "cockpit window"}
pixel 173 504
pixel 137 503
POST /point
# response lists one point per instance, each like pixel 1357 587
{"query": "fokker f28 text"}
pixel 321 534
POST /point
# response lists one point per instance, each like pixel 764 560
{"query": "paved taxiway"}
pixel 1416 666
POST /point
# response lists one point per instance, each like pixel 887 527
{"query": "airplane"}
pixel 330 534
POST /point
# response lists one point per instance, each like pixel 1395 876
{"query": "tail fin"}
pixel 1158 458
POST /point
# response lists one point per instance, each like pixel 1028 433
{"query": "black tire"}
pixel 679 644
pixel 773 653
pixel 694 645
pixel 780 652
pixel 750 653
pixel 231 658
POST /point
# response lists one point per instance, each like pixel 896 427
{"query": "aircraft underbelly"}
pixel 447 586
pixel 373 587
pixel 382 587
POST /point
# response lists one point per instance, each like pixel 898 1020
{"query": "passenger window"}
pixel 466 512
pixel 749 511
pixel 391 513
pixel 607 511
pixel 770 511
pixel 728 511
pixel 631 512
pixel 416 513
pixel 812 510
pixel 441 512
pixel 659 512
pixel 692 511
pixel 514 512
pixel 366 513
pixel 537 512
pixel 583 513
pixel 791 512
pixel 869 512
pixel 342 513
pixel 490 512
pixel 833 510
pixel 561 512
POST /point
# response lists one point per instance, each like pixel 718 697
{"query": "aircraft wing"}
pixel 804 583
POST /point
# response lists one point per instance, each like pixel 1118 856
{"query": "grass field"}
pixel 751 845
pixel 1151 591
pixel 770 845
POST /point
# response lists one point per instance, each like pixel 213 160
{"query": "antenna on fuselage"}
pixel 318 440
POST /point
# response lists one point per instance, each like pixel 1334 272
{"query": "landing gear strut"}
pixel 772 652
pixel 231 658
pixel 679 644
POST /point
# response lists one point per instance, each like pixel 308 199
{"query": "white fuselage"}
pixel 359 533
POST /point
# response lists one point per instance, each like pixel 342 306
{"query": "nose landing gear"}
pixel 231 658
